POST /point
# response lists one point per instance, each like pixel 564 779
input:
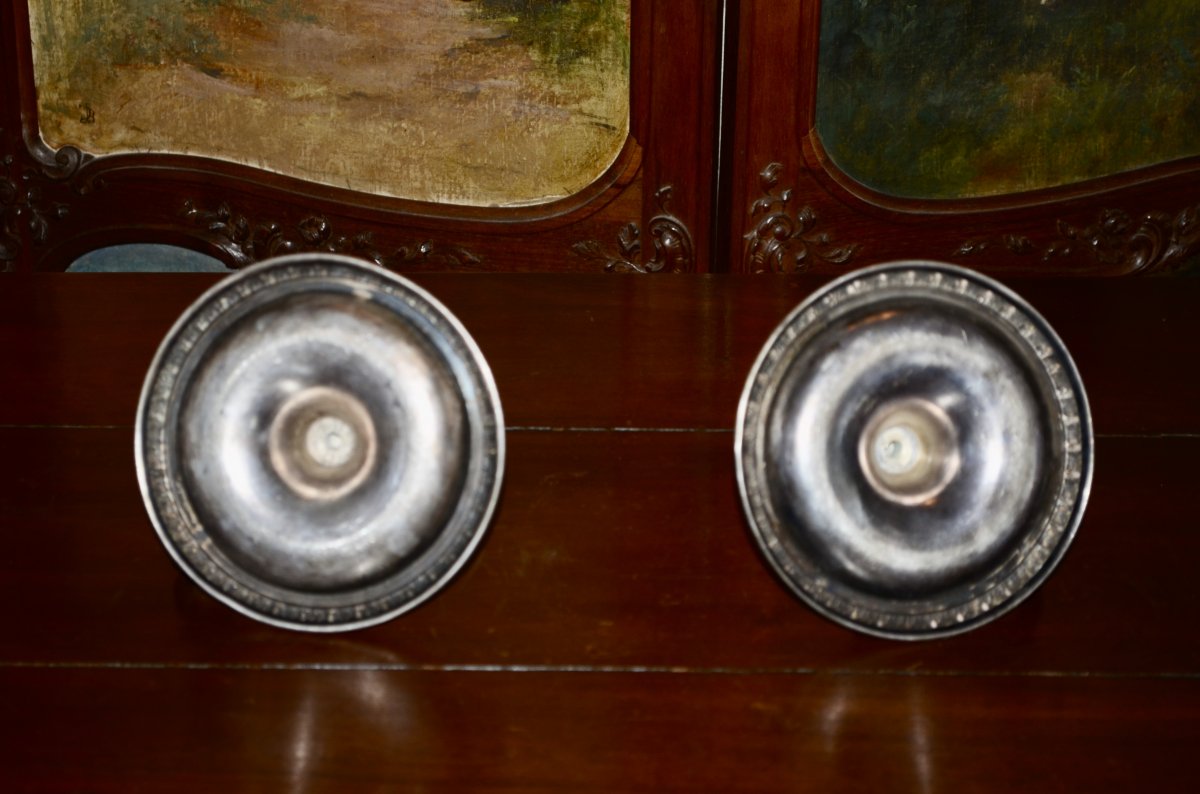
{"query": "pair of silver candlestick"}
pixel 320 445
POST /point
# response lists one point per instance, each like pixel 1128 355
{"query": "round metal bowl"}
pixel 914 450
pixel 319 443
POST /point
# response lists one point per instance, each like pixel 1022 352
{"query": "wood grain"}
pixel 59 204
pixel 608 549
pixel 1133 222
pixel 618 629
pixel 589 351
pixel 369 730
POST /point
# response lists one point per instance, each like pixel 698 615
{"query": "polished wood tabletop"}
pixel 618 629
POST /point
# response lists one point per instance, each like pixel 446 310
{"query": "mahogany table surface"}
pixel 617 630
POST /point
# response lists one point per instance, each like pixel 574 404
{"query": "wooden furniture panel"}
pixel 56 205
pixel 722 172
pixel 510 730
pixel 618 629
pixel 1142 221
pixel 654 353
pixel 625 549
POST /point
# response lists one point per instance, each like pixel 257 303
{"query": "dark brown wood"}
pixel 679 197
pixel 57 205
pixel 365 730
pixel 1139 222
pixel 590 351
pixel 608 548
pixel 618 629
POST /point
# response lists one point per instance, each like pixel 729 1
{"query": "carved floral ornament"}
pixel 246 241
pixel 1152 242
pixel 783 240
pixel 23 203
pixel 29 203
pixel 670 239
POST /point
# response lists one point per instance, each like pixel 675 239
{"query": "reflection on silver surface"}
pixel 319 443
pixel 914 450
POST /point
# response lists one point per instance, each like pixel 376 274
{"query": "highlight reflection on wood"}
pixel 618 630
pixel 372 729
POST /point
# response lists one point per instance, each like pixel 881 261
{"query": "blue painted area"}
pixel 146 258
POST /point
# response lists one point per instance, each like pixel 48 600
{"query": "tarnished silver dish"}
pixel 319 443
pixel 914 450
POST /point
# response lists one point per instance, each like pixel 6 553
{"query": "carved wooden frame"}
pixel 794 210
pixel 56 205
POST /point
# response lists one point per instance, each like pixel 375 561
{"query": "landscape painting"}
pixel 478 102
pixel 959 98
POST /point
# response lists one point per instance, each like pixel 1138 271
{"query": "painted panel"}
pixel 961 98
pixel 478 102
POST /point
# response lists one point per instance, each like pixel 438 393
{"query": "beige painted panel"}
pixel 452 101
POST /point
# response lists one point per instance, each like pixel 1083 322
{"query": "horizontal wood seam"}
pixel 598 670
pixel 579 429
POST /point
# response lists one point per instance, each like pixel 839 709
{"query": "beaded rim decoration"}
pixel 1038 553
pixel 170 507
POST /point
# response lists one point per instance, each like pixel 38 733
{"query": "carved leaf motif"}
pixel 10 212
pixel 314 229
pixel 22 206
pixel 768 178
pixel 1057 248
pixel 761 205
pixel 968 247
pixel 1115 222
pixel 246 242
pixel 786 242
pixel 670 239
pixel 1187 220
pixel 39 227
pixel 629 239
pixel 1018 243
pixel 589 249
pixel 839 255
pixel 1151 242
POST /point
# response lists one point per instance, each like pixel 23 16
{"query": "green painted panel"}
pixel 958 98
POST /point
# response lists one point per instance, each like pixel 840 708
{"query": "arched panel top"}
pixel 1020 138
pixel 563 125
pixel 487 103
pixel 952 99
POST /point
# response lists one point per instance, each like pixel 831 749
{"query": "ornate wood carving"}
pixel 1152 242
pixel 674 90
pixel 23 205
pixel 671 240
pixel 245 241
pixel 785 242
pixel 12 205
pixel 58 164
